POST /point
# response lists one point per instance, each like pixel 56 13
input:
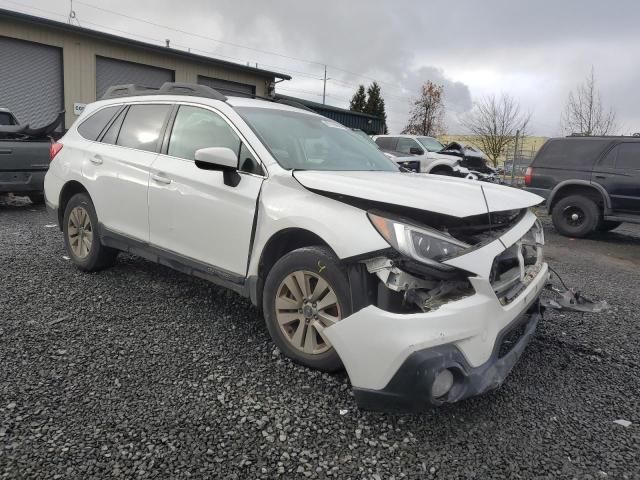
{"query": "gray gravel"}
pixel 139 371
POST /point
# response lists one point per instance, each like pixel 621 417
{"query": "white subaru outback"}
pixel 425 288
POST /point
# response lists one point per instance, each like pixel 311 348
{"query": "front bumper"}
pixel 392 358
pixel 410 387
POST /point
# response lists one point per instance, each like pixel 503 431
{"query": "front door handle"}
pixel 96 160
pixel 161 179
pixel 600 176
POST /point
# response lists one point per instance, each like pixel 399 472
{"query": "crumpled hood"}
pixel 434 193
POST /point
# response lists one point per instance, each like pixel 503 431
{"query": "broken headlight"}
pixel 420 243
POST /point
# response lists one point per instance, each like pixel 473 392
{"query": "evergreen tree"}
pixel 375 103
pixel 359 100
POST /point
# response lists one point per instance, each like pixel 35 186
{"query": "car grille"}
pixel 514 268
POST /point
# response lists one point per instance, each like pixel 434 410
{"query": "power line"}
pixel 237 45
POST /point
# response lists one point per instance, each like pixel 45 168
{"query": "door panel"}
pixel 619 173
pixel 120 182
pixel 193 213
pixel 120 173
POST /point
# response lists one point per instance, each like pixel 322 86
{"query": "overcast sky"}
pixel 536 51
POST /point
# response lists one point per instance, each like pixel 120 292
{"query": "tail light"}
pixel 527 176
pixel 54 148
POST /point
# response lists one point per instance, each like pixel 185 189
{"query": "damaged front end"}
pixel 450 309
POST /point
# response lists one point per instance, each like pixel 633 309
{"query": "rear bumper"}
pixel 410 387
pixel 22 181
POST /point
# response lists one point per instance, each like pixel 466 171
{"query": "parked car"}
pixel 422 149
pixel 24 156
pixel 474 159
pixel 406 162
pixel 590 183
pixel 424 288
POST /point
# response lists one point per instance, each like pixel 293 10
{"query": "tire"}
pixel 313 264
pixel 607 225
pixel 81 237
pixel 36 198
pixel 575 216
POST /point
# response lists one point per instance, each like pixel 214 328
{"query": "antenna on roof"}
pixel 168 41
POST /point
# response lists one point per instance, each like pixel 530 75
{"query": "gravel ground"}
pixel 139 371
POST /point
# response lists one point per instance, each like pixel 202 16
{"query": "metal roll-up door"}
pixel 110 71
pixel 227 87
pixel 31 81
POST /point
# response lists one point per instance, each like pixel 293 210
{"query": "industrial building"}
pixel 48 66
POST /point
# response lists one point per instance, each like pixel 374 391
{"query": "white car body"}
pixel 429 161
pixel 146 201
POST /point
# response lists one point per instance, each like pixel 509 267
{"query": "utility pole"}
pixel 515 153
pixel 324 85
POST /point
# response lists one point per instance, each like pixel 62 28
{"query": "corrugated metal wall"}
pixel 79 62
pixel 371 126
pixel 110 71
pixel 31 80
pixel 232 89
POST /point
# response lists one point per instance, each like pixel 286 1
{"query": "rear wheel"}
pixel 607 225
pixel 306 292
pixel 81 238
pixel 575 216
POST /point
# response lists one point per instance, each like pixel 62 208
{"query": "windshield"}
pixel 431 144
pixel 307 142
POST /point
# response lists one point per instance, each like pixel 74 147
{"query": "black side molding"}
pixel 183 264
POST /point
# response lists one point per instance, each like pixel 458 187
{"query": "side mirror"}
pixel 220 158
pixel 216 158
pixel 416 151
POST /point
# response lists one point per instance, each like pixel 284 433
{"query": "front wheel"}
pixel 575 216
pixel 306 292
pixel 81 236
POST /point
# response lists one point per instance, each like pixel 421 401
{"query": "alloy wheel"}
pixel 80 232
pixel 305 305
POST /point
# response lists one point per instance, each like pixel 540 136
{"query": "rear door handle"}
pixel 600 176
pixel 5 151
pixel 96 160
pixel 161 179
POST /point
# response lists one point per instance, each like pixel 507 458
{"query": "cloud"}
pixel 535 51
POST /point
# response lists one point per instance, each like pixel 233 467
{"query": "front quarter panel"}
pixel 284 204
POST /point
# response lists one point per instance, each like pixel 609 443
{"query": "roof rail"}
pixel 167 88
pixel 293 103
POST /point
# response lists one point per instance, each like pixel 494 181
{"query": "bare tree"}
pixel 585 114
pixel 495 121
pixel 427 113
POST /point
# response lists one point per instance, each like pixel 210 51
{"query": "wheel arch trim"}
pixel 580 183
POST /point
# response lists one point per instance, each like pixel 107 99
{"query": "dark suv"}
pixel 590 183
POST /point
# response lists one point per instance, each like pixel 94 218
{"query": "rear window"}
pixel 92 126
pixel 577 153
pixel 142 127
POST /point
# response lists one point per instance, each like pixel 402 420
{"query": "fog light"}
pixel 442 383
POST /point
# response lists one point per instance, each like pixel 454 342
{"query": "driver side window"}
pixel 195 128
pixel 406 144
